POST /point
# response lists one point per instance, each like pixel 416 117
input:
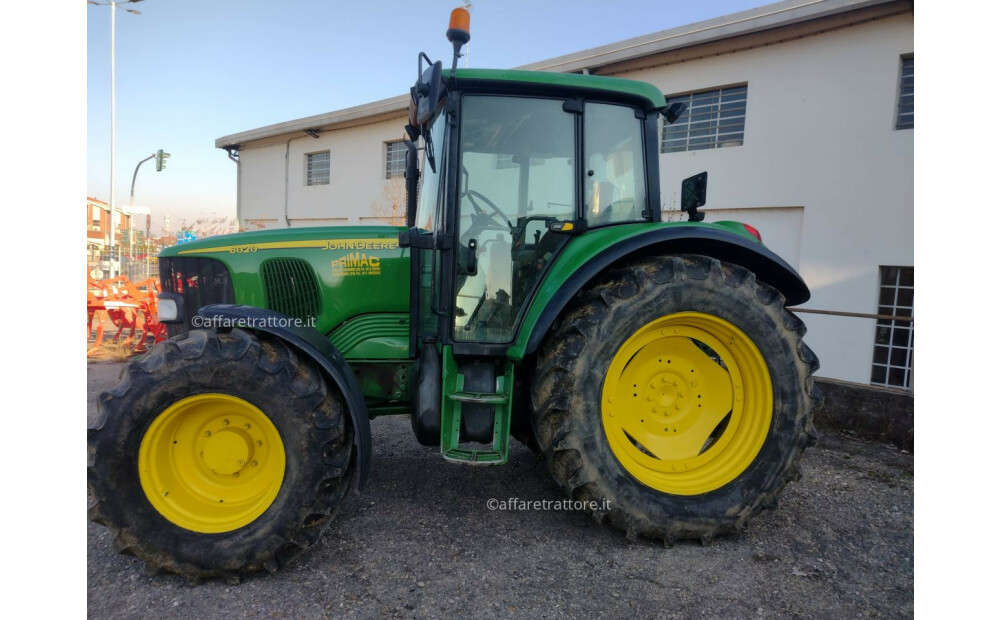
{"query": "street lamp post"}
pixel 114 5
pixel 160 157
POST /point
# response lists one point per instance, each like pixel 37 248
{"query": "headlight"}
pixel 166 310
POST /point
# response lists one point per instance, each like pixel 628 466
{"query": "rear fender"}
pixel 591 254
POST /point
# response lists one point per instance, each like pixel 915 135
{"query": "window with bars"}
pixel 892 360
pixel 395 159
pixel 318 168
pixel 904 107
pixel 713 119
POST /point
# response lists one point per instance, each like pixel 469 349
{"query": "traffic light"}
pixel 161 160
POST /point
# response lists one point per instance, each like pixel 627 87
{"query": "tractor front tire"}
pixel 219 454
pixel 674 398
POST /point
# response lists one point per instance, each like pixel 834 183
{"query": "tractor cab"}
pixel 515 165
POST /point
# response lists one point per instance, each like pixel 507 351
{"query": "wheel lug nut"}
pixel 236 475
pixel 225 422
pixel 253 463
pixel 246 426
pixel 208 433
pixel 260 443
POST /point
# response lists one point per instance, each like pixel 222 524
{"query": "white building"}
pixel 815 150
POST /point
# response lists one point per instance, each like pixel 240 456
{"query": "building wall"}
pixel 820 161
pixel 821 173
pixel 357 176
pixel 97 235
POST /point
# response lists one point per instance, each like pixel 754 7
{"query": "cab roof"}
pixel 575 81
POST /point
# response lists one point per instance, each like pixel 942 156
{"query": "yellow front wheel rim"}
pixel 211 463
pixel 687 403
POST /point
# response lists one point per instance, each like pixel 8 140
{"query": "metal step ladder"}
pixel 453 396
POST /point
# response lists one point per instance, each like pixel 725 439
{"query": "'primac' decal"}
pixel 357 264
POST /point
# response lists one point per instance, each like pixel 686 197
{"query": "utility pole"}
pixel 468 7
pixel 111 204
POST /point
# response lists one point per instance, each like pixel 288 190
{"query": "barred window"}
pixel 713 119
pixel 904 108
pixel 395 159
pixel 318 168
pixel 892 361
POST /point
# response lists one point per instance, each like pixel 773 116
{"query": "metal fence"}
pixel 134 269
pixel 892 359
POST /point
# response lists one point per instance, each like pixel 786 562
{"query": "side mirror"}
pixel 674 111
pixel 425 94
pixel 693 192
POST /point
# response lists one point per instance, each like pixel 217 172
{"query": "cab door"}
pixel 516 174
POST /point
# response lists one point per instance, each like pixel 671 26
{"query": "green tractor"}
pixel 535 293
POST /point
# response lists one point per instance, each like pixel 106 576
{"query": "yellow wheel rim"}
pixel 211 463
pixel 686 403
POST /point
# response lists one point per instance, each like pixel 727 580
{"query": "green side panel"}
pixel 568 80
pixel 359 270
pixel 452 396
pixel 579 251
pixel 374 336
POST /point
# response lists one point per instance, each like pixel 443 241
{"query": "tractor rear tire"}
pixel 218 455
pixel 675 397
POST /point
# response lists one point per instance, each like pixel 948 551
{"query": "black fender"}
pixel 310 342
pixel 727 246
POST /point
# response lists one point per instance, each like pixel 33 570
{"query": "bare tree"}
pixel 391 205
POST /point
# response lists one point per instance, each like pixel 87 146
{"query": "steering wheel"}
pixel 488 221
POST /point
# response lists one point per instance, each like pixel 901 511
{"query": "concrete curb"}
pixel 865 411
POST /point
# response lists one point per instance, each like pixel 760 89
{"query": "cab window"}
pixel 614 183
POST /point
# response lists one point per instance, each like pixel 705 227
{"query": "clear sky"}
pixel 191 71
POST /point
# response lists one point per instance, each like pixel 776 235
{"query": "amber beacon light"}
pixel 458 34
pixel 458 27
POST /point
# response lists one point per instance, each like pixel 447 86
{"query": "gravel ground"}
pixel 422 542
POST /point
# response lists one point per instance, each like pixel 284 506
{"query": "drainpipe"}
pixel 313 133
pixel 288 144
pixel 233 150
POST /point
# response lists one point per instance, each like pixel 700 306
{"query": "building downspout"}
pixel 312 133
pixel 234 155
pixel 288 144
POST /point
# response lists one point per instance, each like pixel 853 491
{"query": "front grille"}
pixel 291 288
pixel 200 281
